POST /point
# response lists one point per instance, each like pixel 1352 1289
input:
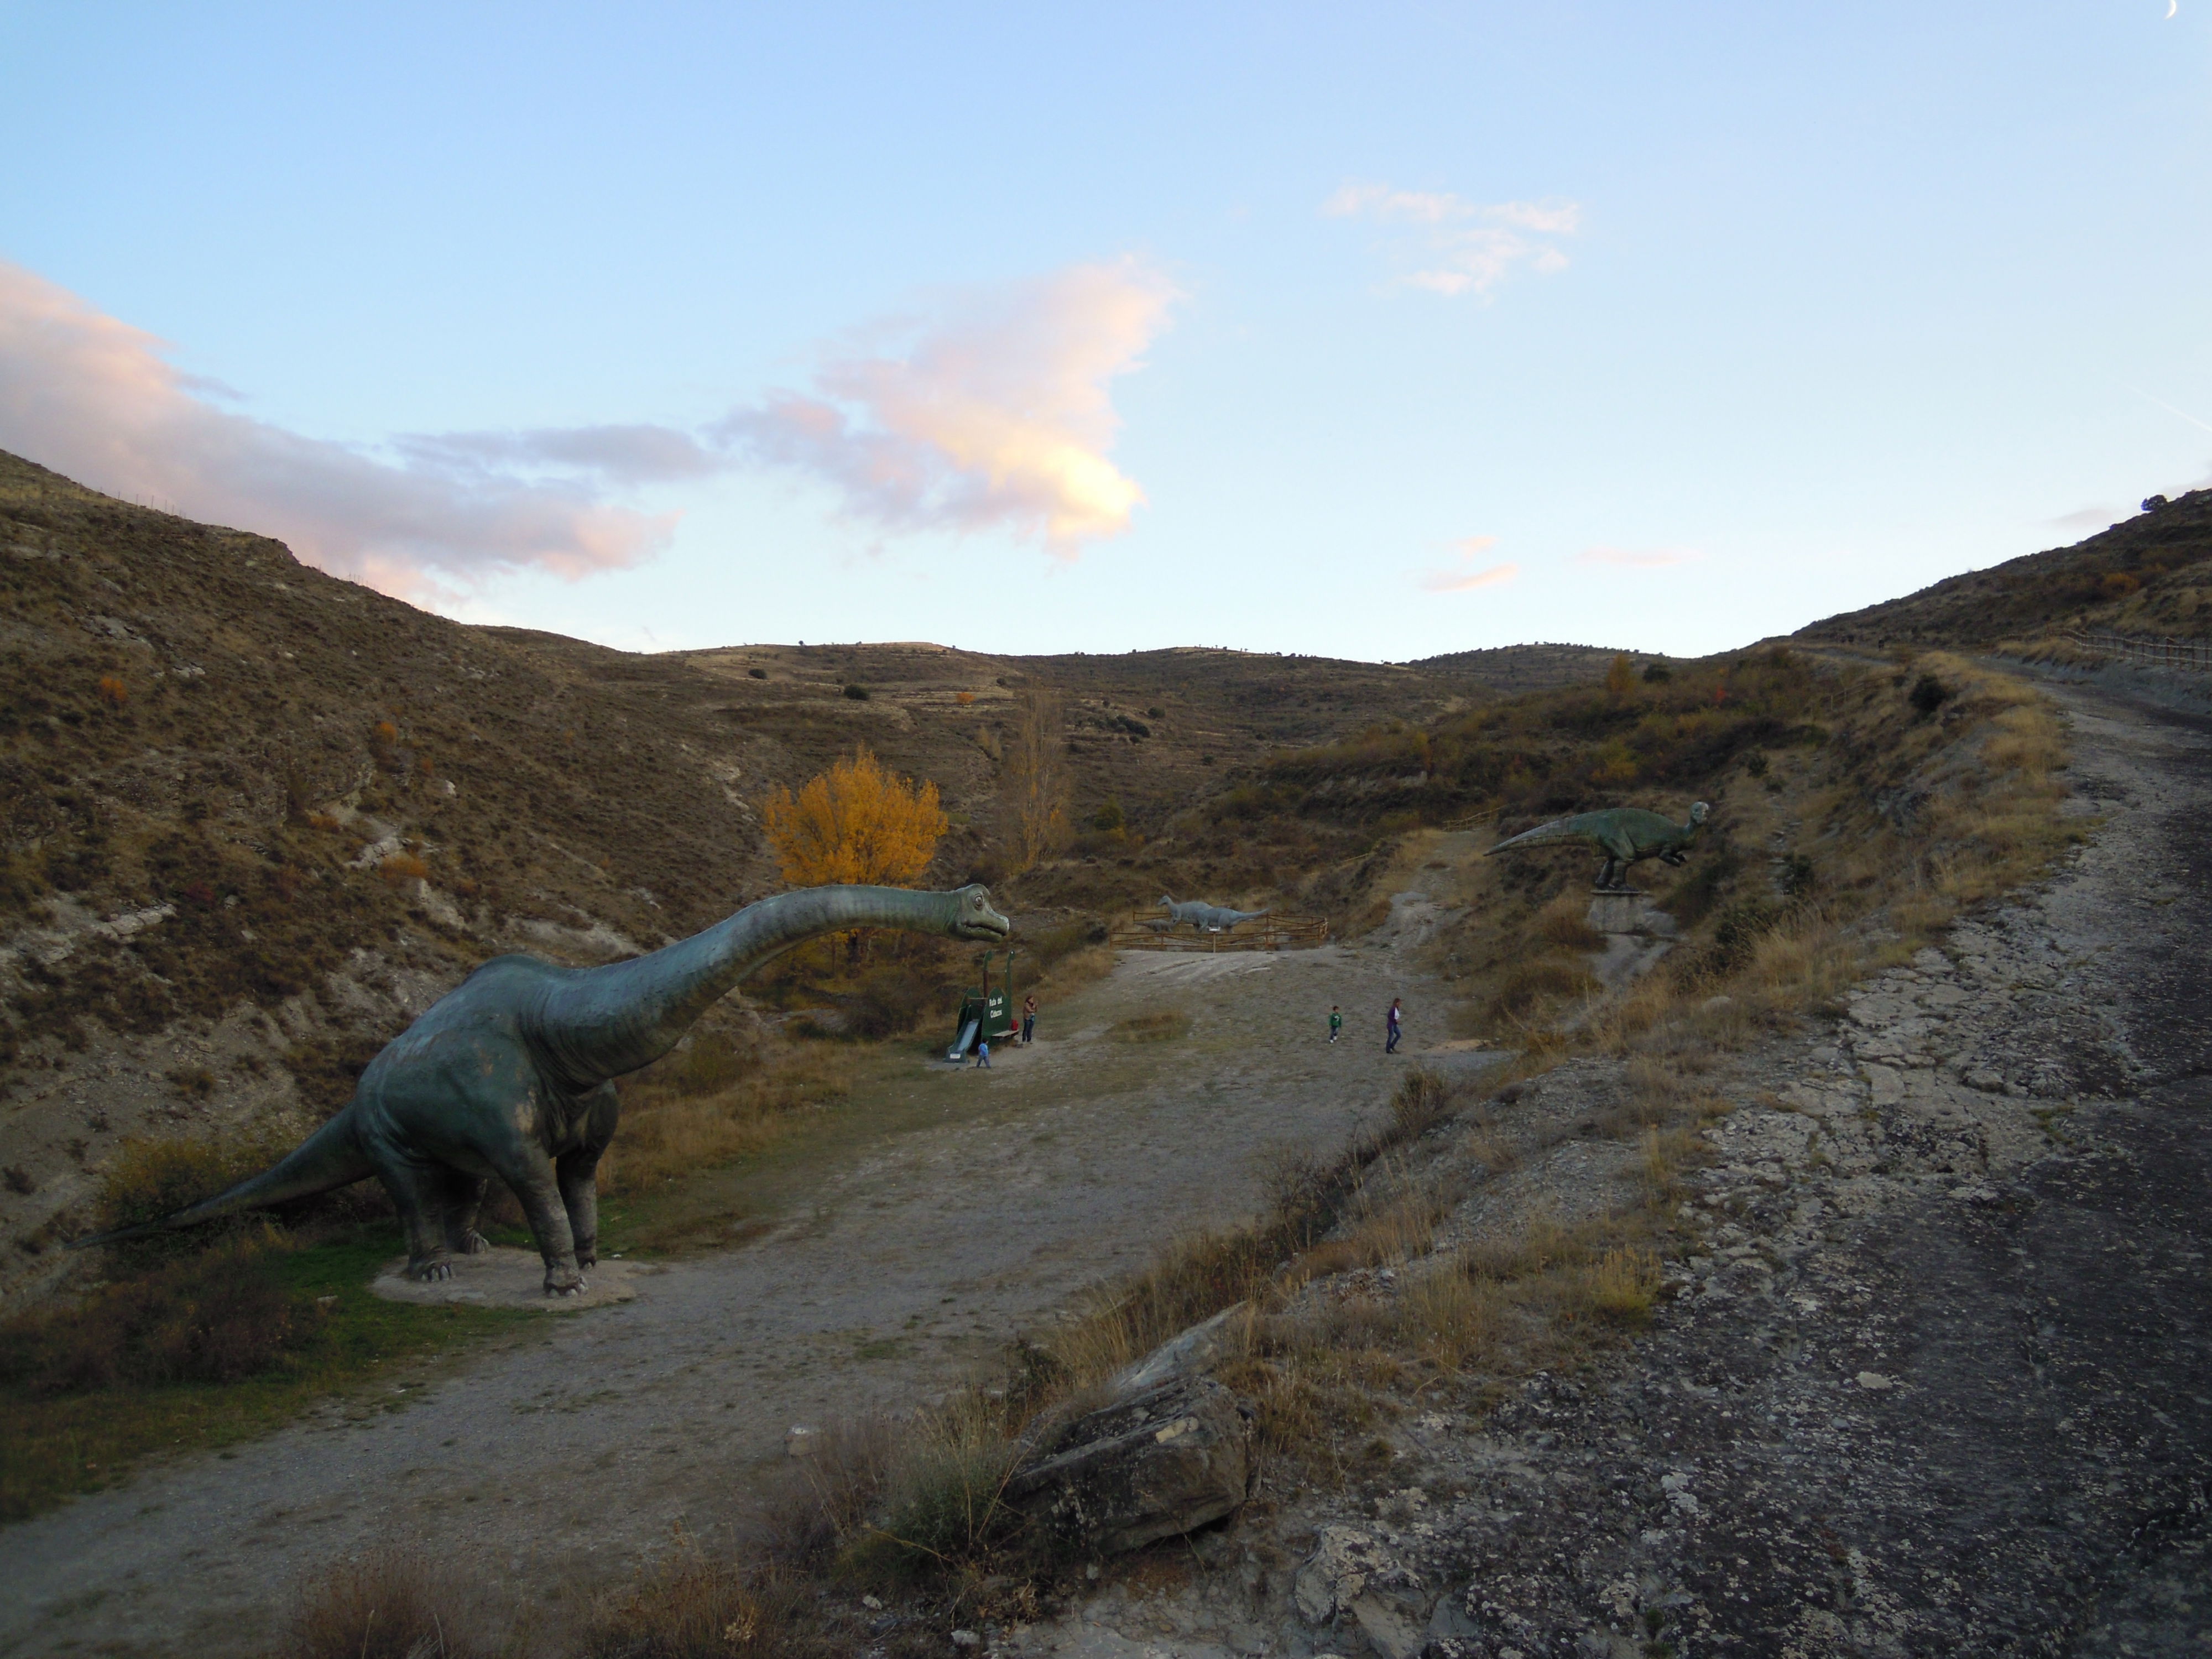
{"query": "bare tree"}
pixel 1033 789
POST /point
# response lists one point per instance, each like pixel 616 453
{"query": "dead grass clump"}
pixel 818 1503
pixel 942 1494
pixel 1619 1287
pixel 691 1606
pixel 1423 1100
pixel 1450 1318
pixel 1162 1027
pixel 389 1604
pixel 1565 922
pixel 1539 980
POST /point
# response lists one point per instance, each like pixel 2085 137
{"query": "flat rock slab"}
pixel 506 1278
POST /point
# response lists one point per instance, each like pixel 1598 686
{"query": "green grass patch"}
pixel 65 1440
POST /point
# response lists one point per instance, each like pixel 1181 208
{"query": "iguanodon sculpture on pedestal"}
pixel 512 1074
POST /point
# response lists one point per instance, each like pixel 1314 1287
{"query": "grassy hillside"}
pixel 254 818
pixel 2151 574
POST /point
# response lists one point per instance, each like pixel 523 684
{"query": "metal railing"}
pixel 2151 653
pixel 1285 932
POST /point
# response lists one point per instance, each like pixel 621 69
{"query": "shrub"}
pixel 1657 673
pixel 218 1317
pixel 1928 695
pixel 757 673
pixel 1108 817
pixel 113 692
pixel 147 1179
pixel 1755 764
pixel 963 698
pixel 857 693
pixel 389 1604
pixel 403 868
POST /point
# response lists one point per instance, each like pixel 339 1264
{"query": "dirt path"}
pixel 1938 1379
pixel 902 1257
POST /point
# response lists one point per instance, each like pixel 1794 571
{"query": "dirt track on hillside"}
pixel 900 1260
pixel 1933 1379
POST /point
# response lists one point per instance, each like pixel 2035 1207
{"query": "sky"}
pixel 1371 331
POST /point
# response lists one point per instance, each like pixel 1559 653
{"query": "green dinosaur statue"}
pixel 512 1074
pixel 1625 835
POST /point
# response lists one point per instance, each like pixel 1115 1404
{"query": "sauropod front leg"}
pixel 578 1171
pixel 529 1176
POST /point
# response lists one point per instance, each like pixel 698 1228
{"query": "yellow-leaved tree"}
pixel 857 822
pixel 1621 678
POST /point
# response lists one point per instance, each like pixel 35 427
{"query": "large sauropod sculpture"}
pixel 1626 835
pixel 1201 916
pixel 512 1074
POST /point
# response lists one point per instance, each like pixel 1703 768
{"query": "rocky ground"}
pixel 1938 1381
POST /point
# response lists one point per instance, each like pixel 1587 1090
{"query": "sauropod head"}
pixel 975 918
pixel 1697 812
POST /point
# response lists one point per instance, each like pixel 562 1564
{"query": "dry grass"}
pixel 391 1603
pixel 716 1101
pixel 693 1606
pixel 1162 1027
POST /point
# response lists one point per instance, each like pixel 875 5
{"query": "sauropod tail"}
pixel 328 1158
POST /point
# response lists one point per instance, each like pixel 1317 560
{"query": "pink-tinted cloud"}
pixel 1462 577
pixel 1653 558
pixel 98 400
pixel 996 414
pixel 1464 247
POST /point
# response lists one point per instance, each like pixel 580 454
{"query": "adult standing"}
pixel 1394 1025
pixel 1029 1018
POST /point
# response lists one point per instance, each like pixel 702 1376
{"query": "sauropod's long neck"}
pixel 602 1022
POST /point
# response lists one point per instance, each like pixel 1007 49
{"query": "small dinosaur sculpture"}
pixel 1625 835
pixel 1206 917
pixel 511 1074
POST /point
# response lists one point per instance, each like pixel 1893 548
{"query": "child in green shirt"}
pixel 1336 1022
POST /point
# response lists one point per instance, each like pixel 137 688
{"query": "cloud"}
pixel 1463 579
pixel 994 415
pixel 1464 247
pixel 98 400
pixel 1655 559
pixel 2088 519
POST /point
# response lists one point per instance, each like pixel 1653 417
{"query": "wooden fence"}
pixel 2151 653
pixel 1269 933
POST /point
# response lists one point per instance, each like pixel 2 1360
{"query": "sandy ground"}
pixel 900 1258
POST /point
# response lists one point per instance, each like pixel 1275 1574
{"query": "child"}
pixel 1395 1028
pixel 1336 1021
pixel 1029 1019
pixel 982 1056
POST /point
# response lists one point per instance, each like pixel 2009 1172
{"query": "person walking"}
pixel 983 1054
pixel 1029 1018
pixel 1395 1023
pixel 1336 1022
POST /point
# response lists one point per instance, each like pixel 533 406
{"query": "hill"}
pixel 254 818
pixel 2151 574
pixel 1546 667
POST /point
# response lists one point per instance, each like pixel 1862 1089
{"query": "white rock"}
pixel 1875 1381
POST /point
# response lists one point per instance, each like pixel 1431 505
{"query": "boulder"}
pixel 1153 1464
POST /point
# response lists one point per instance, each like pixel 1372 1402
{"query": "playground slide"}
pixel 964 1041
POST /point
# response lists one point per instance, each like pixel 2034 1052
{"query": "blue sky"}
pixel 1369 332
